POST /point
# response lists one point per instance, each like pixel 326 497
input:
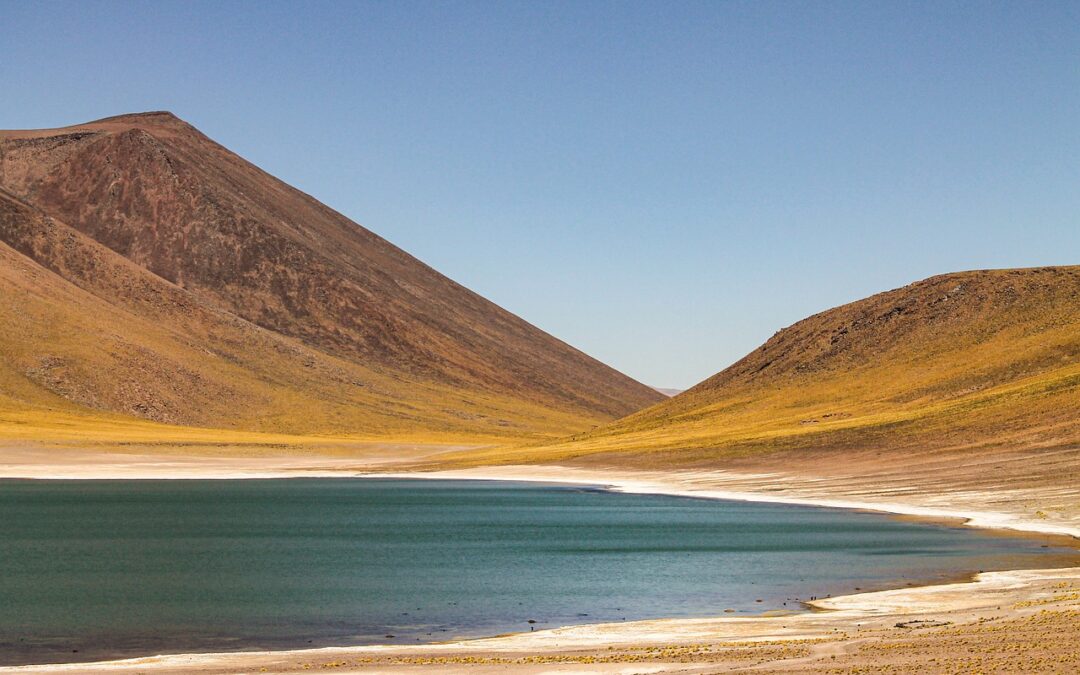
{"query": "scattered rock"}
pixel 923 623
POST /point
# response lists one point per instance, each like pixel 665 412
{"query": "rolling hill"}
pixel 149 275
pixel 968 361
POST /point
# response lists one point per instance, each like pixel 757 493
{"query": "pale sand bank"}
pixel 994 506
pixel 777 488
pixel 28 461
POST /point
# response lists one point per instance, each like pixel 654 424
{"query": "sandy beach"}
pixel 777 489
pixel 998 621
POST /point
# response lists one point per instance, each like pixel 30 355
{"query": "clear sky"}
pixel 663 185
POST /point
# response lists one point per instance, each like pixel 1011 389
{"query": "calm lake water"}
pixel 95 569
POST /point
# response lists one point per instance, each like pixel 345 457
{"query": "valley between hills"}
pixel 172 311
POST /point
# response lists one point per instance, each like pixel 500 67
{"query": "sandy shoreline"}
pixel 769 487
pixel 1007 596
pixel 701 485
pixel 1023 592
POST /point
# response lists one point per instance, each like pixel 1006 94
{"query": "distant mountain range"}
pixel 669 392
pixel 148 272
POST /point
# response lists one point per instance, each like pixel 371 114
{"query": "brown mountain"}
pixel 149 271
pixel 960 362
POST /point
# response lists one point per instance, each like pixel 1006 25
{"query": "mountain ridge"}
pixel 106 203
pixel 955 362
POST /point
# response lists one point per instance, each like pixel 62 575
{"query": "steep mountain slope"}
pixel 960 361
pixel 148 271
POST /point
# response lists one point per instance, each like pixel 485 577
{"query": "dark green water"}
pixel 95 569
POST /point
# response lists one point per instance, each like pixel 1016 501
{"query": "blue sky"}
pixel 663 185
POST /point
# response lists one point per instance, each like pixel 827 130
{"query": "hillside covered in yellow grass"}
pixel 966 361
pixel 151 280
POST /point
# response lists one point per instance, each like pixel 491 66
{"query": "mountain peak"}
pixel 177 220
pixel 158 116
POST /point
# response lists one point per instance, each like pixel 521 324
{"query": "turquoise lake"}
pixel 102 569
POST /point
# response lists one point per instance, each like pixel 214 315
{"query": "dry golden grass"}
pixel 147 272
pixel 70 360
pixel 964 361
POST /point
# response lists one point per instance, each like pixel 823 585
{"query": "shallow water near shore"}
pixel 100 569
